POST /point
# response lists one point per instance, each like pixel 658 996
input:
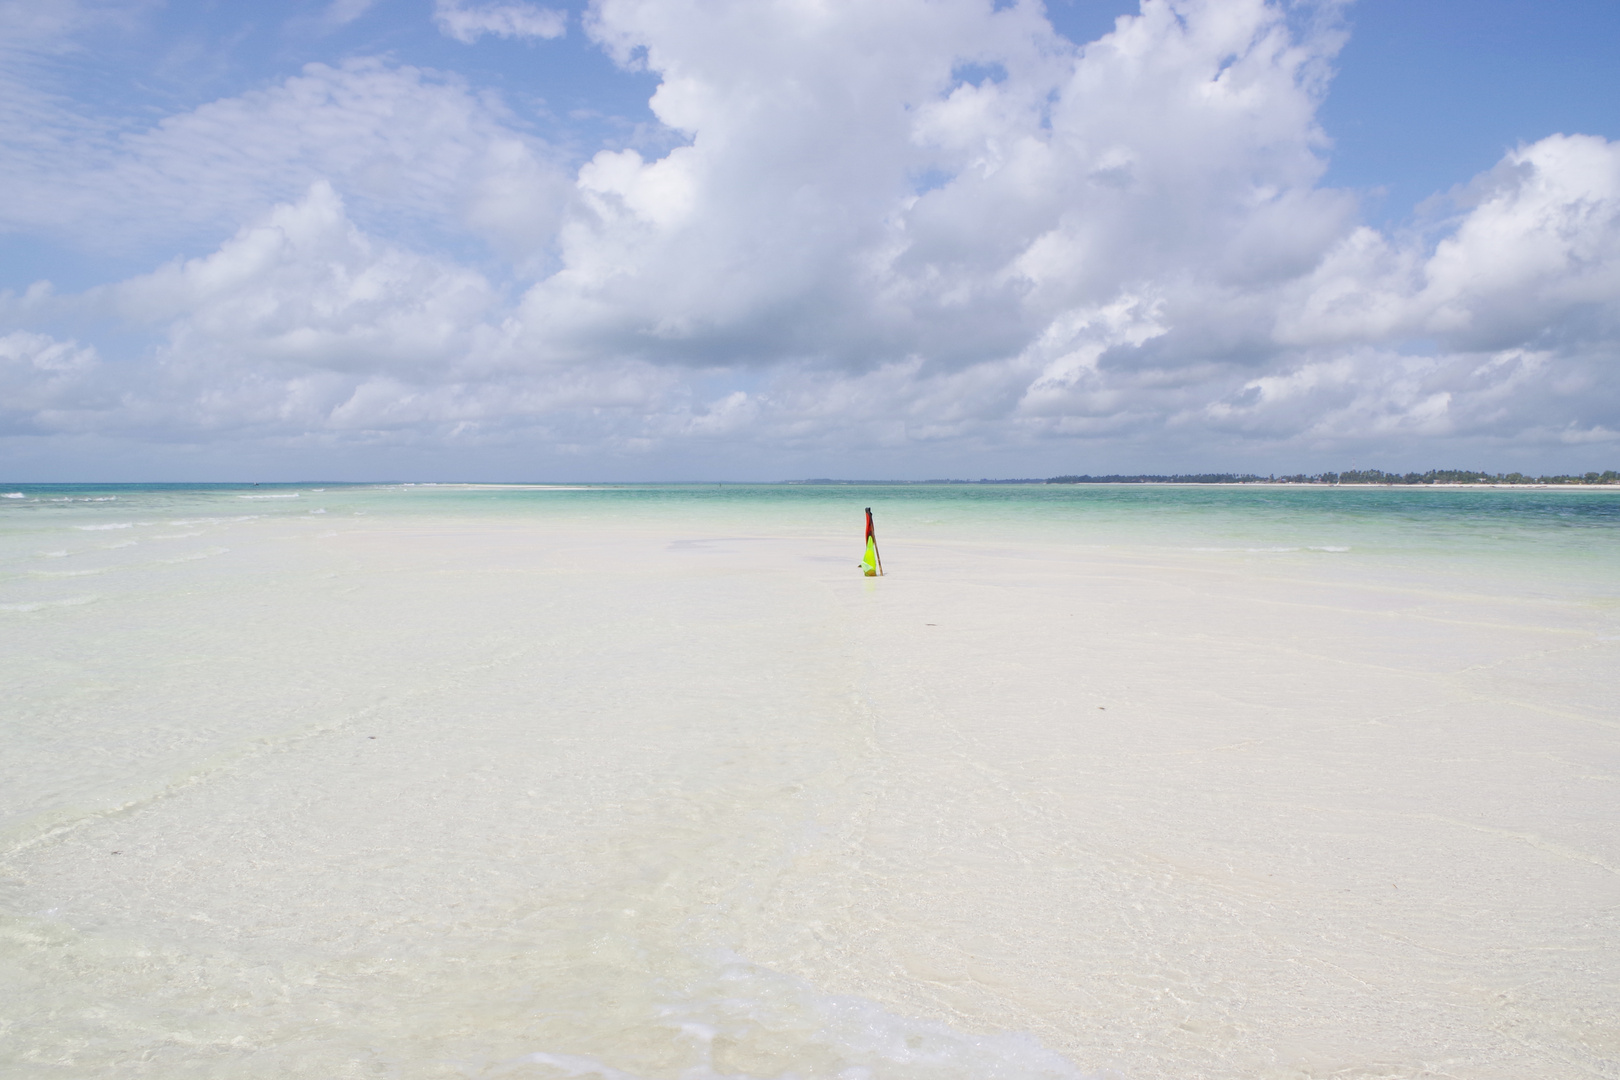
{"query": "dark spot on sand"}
pixel 371 736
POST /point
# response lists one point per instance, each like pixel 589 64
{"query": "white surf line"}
pixel 503 487
pixel 72 601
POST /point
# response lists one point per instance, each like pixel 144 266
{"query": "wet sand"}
pixel 601 800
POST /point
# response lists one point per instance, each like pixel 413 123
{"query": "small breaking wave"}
pixel 1274 550
pixel 104 528
pixel 1250 550
pixel 71 601
pixel 742 1011
pixel 194 556
pixel 292 495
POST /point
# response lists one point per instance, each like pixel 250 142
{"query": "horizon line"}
pixel 1354 477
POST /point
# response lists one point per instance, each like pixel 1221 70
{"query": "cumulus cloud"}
pixel 302 325
pixel 996 236
pixel 304 321
pixel 306 288
pixel 931 188
pixel 854 193
pixel 1519 294
pixel 924 227
pixel 467 22
pixel 46 385
pixel 1534 251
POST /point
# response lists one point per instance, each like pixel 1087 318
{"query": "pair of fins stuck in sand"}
pixel 871 564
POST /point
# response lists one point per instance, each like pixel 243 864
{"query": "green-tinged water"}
pixel 1558 523
pixel 646 781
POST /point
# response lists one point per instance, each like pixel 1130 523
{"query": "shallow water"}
pixel 438 780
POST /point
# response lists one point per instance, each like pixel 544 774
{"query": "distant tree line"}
pixel 1354 476
pixel 1179 478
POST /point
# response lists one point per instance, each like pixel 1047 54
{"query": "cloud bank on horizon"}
pixel 918 237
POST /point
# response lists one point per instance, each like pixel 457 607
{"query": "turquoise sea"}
pixel 1558 539
pixel 1574 523
pixel 562 780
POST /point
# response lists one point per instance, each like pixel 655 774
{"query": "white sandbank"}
pixel 527 801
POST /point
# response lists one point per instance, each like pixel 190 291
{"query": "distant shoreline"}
pixel 1605 481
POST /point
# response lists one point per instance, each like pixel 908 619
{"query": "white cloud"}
pixel 1541 240
pixel 1535 251
pixel 306 289
pixel 29 25
pixel 301 326
pixel 304 322
pixel 467 22
pixel 1122 239
pixel 416 150
pixel 46 385
pixel 925 228
pixel 37 116
pixel 344 12
pixel 846 197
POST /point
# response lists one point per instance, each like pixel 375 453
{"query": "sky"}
pixel 774 239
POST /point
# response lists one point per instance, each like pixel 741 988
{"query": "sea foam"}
pixel 40 605
pixel 742 1016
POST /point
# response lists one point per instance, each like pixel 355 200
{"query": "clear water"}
pixel 646 781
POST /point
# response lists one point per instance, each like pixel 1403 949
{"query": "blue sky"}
pixel 774 238
pixel 1429 94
